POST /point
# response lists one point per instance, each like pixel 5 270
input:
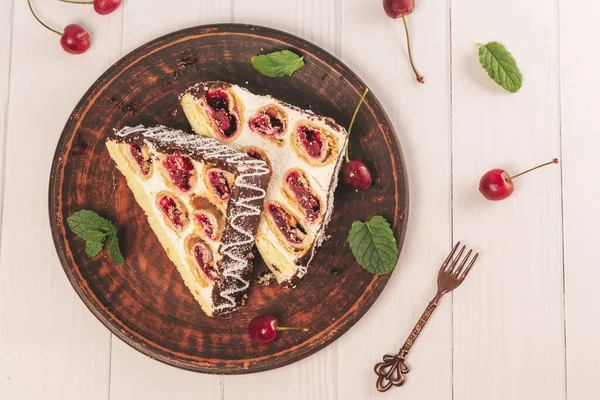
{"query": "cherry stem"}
pixel 76 2
pixel 554 161
pixel 362 98
pixel 40 21
pixel 420 78
pixel 290 328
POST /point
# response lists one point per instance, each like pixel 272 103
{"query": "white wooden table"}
pixel 525 324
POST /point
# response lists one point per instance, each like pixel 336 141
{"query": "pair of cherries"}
pixel 74 39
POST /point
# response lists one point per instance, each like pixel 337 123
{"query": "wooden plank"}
pixel 508 316
pixel 375 47
pixel 313 378
pixel 133 375
pixel 580 139
pixel 51 346
pixel 5 55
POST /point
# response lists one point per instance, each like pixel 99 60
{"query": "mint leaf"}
pixel 278 64
pixel 94 229
pixel 86 220
pixel 373 245
pixel 93 248
pixel 113 249
pixel 93 236
pixel 500 66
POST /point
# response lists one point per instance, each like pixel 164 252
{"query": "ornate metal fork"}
pixel 393 368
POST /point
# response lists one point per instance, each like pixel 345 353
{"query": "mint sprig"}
pixel 96 230
pixel 278 64
pixel 500 66
pixel 373 245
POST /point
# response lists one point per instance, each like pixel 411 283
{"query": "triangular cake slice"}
pixel 304 152
pixel 203 201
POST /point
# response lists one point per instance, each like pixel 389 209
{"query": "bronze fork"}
pixel 393 368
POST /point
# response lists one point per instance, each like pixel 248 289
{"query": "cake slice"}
pixel 304 152
pixel 203 201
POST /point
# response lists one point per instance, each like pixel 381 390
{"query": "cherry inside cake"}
pixel 203 201
pixel 303 151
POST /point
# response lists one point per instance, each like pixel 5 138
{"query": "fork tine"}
pixel 463 275
pixel 456 259
pixel 447 260
pixel 458 270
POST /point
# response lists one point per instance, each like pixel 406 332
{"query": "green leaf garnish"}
pixel 500 66
pixel 113 249
pixel 373 245
pixel 94 229
pixel 92 249
pixel 278 64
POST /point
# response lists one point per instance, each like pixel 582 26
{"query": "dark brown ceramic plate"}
pixel 144 302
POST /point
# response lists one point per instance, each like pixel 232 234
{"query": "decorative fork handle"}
pixel 393 368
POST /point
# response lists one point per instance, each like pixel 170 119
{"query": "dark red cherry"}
pixel 104 7
pixel 311 140
pixel 204 258
pixel 299 185
pixel 264 328
pixel 219 182
pixel 497 184
pixel 226 121
pixel 206 224
pixel 398 8
pixel 138 155
pixel 173 211
pixel 356 175
pixel 75 39
pixel 180 169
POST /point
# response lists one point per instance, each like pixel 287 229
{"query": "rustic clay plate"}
pixel 144 301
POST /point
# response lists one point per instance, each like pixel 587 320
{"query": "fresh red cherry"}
pixel 400 9
pixel 356 175
pixel 264 328
pixel 497 184
pixel 102 7
pixel 74 39
pixel 397 8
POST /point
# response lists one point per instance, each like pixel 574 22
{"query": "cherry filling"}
pixel 206 225
pixel 300 187
pixel 312 141
pixel 220 183
pixel 268 122
pixel 180 169
pixel 226 121
pixel 287 224
pixel 203 257
pixel 172 210
pixel 138 156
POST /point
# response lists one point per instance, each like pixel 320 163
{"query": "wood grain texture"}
pixel 580 138
pixel 315 377
pixel 375 47
pixel 157 380
pixel 50 345
pixel 144 302
pixel 508 315
pixel 6 19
